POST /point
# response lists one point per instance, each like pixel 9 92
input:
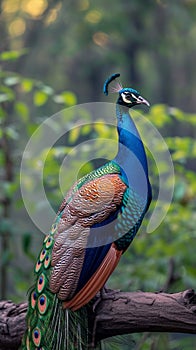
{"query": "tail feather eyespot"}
pixel 42 255
pixel 41 283
pixel 42 304
pixel 33 299
pixel 47 261
pixel 36 336
pixel 49 242
pixel 38 266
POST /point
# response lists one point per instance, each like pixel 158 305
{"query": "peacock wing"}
pixel 92 203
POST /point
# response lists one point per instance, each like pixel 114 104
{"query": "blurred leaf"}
pixel 11 133
pixel 176 113
pixel 12 55
pixel 6 94
pixel 66 97
pixel 9 188
pixel 100 128
pixel 47 90
pixel 12 80
pixel 158 115
pixel 4 98
pixel 22 110
pixel 183 147
pixel 27 84
pixel 31 128
pixel 74 134
pixel 40 98
pixel 86 129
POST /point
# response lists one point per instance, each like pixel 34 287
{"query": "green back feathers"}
pixel 129 219
pixel 108 168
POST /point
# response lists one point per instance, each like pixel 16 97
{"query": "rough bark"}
pixel 116 313
pixel 12 324
pixel 146 312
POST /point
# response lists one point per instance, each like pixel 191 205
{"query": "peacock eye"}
pixel 128 95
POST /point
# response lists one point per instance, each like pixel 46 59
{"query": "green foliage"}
pixel 19 98
pixel 12 55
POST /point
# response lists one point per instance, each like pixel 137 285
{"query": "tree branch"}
pixel 117 313
pixel 146 312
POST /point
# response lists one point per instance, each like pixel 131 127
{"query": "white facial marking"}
pixel 126 100
pixel 134 96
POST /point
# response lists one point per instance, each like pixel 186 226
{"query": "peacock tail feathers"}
pixel 49 326
pixel 58 329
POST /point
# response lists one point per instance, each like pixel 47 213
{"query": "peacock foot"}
pixel 105 294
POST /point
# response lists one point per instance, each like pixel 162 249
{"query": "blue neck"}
pixel 131 155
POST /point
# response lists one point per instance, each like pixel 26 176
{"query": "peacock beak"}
pixel 141 100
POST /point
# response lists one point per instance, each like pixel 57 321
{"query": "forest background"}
pixel 57 54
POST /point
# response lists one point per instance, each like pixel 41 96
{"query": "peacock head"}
pixel 128 97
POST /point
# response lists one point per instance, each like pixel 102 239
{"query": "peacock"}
pixel 95 224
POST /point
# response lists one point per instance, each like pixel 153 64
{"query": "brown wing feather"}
pixel 91 204
pixel 97 281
